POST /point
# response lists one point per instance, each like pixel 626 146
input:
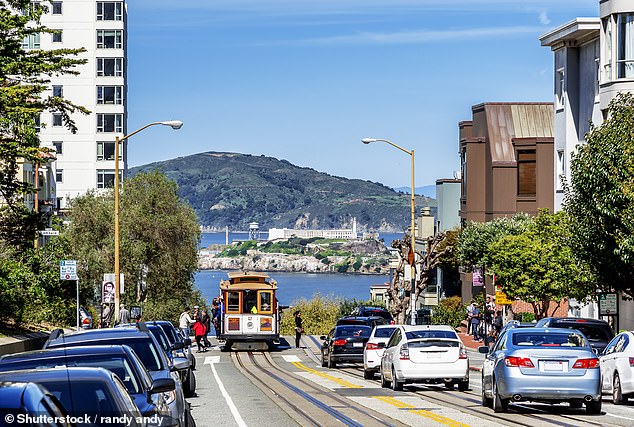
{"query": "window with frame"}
pixel 559 88
pixel 31 41
pixel 58 145
pixel 607 50
pixel 109 39
pixel 561 168
pixel 109 11
pixel 59 175
pixel 105 178
pixel 56 7
pixel 106 149
pixel 265 303
pixel 37 123
pixel 57 120
pixel 109 94
pixel 463 172
pixel 625 51
pixel 109 122
pixel 58 91
pixel 233 302
pixel 57 36
pixel 110 67
pixel 526 173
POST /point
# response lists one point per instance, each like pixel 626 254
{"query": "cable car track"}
pixel 286 385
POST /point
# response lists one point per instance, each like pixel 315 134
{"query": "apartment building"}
pixel 85 160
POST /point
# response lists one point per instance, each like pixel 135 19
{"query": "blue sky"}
pixel 305 80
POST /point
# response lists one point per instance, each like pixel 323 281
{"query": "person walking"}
pixel 184 321
pixel 199 333
pixel 299 329
pixel 124 315
pixel 475 321
pixel 206 321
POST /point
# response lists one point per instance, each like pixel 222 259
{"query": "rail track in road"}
pixel 317 406
pixel 470 403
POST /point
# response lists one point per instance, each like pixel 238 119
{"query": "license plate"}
pixel 553 366
pixel 433 355
pixel 357 344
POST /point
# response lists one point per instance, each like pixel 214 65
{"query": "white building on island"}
pixel 287 233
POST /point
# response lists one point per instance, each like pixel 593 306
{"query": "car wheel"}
pixel 324 363
pixel 368 374
pixel 189 385
pixel 192 361
pixel 384 382
pixel 593 407
pixel 396 386
pixel 499 404
pixel 331 363
pixel 617 392
pixel 463 385
pixel 189 419
pixel 449 385
pixel 486 402
pixel 576 404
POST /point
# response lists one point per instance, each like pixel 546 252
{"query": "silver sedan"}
pixel 541 365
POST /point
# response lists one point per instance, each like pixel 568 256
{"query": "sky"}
pixel 306 80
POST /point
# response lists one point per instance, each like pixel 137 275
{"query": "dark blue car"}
pixel 148 394
pixel 21 399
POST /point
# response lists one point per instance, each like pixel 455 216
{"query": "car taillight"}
pixel 521 362
pixel 632 362
pixel 587 364
pixel 463 352
pixel 372 346
pixel 85 321
pixel 404 355
pixel 339 342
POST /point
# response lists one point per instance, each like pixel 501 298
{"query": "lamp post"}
pixel 413 227
pixel 174 124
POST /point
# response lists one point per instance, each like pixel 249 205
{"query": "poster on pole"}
pixel 478 276
pixel 107 291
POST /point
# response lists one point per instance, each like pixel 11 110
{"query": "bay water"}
pixel 297 285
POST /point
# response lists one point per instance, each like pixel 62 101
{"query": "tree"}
pixel 159 233
pixel 24 76
pixel 538 265
pixel 600 198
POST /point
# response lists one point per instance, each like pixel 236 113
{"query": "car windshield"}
pixel 430 333
pixel 383 332
pixel 115 364
pixel 593 333
pixel 144 348
pixel 376 312
pixel 84 398
pixel 546 340
pixel 171 333
pixel 353 331
pixel 160 337
pixel 432 342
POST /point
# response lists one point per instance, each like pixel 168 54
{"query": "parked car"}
pixel 186 374
pixel 598 332
pixel 371 321
pixel 94 395
pixel 511 324
pixel 344 343
pixel 424 354
pixel 148 394
pixel 373 352
pixel 617 368
pixel 85 319
pixel 550 365
pixel 27 398
pixel 363 311
pixel 175 336
pixel 146 347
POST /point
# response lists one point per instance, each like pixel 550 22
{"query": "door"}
pixel 608 363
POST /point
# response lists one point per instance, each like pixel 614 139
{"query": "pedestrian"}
pixel 206 321
pixel 199 333
pixel 124 315
pixel 470 308
pixel 475 321
pixel 299 329
pixel 184 321
pixel 215 317
pixel 498 322
pixel 106 315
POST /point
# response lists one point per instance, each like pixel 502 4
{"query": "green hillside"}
pixel 230 189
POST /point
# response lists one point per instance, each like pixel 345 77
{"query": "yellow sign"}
pixel 501 299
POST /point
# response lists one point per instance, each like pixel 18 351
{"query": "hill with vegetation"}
pixel 231 189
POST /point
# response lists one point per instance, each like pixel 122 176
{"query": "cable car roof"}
pixel 243 280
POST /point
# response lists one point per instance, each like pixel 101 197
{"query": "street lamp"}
pixel 413 229
pixel 174 124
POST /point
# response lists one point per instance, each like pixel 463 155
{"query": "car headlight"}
pixel 169 396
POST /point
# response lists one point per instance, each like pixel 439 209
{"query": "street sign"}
pixel 49 232
pixel 67 269
pixel 502 299
pixel 608 304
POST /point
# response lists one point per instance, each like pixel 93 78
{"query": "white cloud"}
pixel 543 17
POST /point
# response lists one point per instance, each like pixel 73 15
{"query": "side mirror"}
pixel 483 349
pixel 180 364
pixel 178 345
pixel 161 385
pixel 323 338
pixel 381 345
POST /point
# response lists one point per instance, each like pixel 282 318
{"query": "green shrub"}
pixel 525 316
pixel 319 315
pixel 450 311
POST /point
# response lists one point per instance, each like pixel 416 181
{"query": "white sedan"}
pixel 373 351
pixel 617 367
pixel 425 354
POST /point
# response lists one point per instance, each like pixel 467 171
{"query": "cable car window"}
pixel 266 305
pixel 233 302
pixel 250 302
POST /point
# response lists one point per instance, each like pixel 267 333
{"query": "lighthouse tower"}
pixel 254 231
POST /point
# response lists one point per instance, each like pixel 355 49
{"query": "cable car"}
pixel 250 317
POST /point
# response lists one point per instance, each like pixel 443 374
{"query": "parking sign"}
pixel 67 269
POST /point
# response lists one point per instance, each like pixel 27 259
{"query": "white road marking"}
pixel 619 416
pixel 211 361
pixel 291 358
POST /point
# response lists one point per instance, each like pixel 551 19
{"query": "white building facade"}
pixel 85 160
pixel 593 62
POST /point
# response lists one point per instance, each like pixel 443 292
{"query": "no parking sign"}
pixel 67 269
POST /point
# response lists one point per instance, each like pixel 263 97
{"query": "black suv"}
pixel 598 332
pixel 370 321
pixel 363 311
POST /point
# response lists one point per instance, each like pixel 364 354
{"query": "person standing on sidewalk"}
pixel 475 321
pixel 299 329
pixel 184 321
